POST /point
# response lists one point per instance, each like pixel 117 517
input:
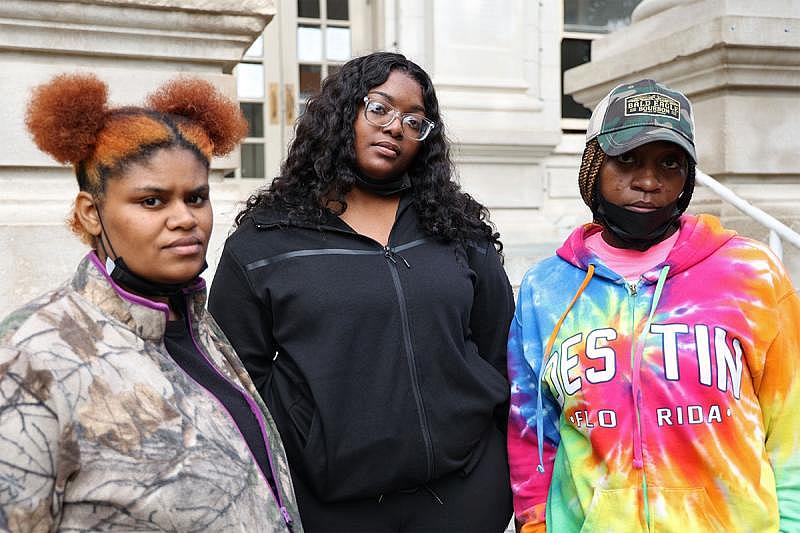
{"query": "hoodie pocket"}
pixel 613 511
pixel 683 510
pixel 302 415
pixel 292 405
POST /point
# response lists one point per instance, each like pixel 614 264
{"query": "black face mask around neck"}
pixel 128 279
pixel 635 230
pixel 383 187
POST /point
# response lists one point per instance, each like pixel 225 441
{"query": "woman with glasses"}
pixel 365 293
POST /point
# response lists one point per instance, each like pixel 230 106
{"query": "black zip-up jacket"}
pixel 384 367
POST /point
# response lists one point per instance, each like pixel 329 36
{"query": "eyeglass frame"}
pixel 395 114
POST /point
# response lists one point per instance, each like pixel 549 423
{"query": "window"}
pixel 250 86
pixel 592 16
pixel 324 42
pixel 574 52
pixel 305 42
pixel 584 21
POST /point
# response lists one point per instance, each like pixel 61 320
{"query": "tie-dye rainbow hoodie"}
pixel 671 404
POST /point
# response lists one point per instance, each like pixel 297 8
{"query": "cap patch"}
pixel 653 104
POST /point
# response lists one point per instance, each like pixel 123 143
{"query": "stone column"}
pixel 739 63
pixel 133 45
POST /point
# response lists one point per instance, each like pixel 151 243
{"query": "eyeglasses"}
pixel 414 126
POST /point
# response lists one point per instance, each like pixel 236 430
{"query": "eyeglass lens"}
pixel 414 126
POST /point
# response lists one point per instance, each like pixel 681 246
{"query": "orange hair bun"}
pixel 65 115
pixel 200 102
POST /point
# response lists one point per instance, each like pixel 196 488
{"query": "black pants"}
pixel 478 503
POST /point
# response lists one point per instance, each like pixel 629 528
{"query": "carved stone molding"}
pixel 203 31
pixel 738 61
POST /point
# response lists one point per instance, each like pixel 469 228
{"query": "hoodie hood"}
pixel 699 237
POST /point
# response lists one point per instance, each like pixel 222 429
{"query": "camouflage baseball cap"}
pixel 633 114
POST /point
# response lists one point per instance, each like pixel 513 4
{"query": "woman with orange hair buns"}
pixel 122 405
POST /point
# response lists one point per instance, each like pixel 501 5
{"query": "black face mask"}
pixel 384 187
pixel 638 231
pixel 130 280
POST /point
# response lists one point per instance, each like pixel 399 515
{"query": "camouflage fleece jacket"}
pixel 100 429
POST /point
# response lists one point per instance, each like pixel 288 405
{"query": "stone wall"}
pixel 133 45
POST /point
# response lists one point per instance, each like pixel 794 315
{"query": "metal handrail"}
pixel 777 229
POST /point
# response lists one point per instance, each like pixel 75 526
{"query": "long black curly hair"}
pixel 320 167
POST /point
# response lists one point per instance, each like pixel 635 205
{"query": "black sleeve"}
pixel 244 316
pixel 492 311
pixel 493 306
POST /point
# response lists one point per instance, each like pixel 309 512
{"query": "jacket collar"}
pixel 266 217
pixel 145 317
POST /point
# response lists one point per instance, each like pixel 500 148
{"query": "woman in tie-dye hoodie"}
pixel 655 360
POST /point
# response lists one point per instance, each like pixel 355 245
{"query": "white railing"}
pixel 777 229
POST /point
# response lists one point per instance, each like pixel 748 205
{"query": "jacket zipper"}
pixel 391 261
pixel 638 461
pixel 259 417
pixel 391 256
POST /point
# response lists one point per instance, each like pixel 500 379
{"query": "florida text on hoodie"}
pixel 669 404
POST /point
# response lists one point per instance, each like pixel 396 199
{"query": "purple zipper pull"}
pixel 286 517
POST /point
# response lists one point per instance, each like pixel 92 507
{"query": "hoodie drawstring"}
pixel 545 360
pixel 638 460
pixel 433 494
pixel 636 362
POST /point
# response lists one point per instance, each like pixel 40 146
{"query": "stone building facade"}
pixel 497 66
